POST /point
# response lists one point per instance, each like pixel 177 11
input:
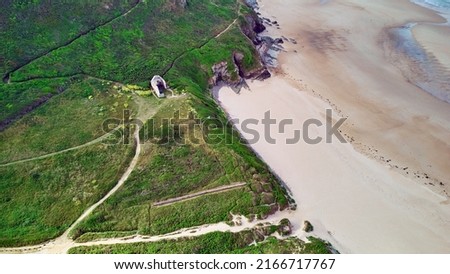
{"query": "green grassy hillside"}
pixel 69 67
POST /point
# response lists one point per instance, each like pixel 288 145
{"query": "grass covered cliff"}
pixel 66 71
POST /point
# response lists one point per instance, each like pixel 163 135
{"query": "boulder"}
pixel 285 227
pixel 221 73
pixel 260 73
pixel 252 26
pixel 307 226
pixel 252 4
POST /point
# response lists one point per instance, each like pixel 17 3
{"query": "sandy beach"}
pixel 387 190
pixel 430 37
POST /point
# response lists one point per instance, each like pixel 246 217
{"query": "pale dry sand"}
pixel 358 204
pixel 383 192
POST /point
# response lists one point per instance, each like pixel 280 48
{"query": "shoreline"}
pixel 342 210
pixel 387 181
pixel 419 65
pixel 417 49
pixel 440 11
pixel 379 104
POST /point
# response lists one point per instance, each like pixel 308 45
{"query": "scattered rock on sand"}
pixel 307 226
pixel 279 41
pixel 285 227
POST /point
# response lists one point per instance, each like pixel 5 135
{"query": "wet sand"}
pixel 386 191
pixel 430 36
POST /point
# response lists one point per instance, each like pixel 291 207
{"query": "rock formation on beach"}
pixel 251 27
pixel 285 227
pixel 222 73
pixel 252 3
pixel 261 73
pixel 307 226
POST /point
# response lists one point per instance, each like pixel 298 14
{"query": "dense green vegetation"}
pixel 15 97
pixel 39 200
pixel 214 243
pixel 173 170
pixel 204 57
pixel 136 46
pixel 29 29
pixel 72 118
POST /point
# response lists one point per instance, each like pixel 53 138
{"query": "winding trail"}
pixel 95 141
pixel 202 44
pixel 63 242
pixel 116 187
pixel 242 224
pixel 199 194
pixel 225 30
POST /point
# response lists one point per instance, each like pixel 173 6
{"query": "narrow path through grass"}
pixel 199 194
pixel 204 43
pixel 95 141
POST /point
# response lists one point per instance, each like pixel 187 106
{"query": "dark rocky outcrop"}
pixel 285 227
pixel 253 26
pixel 222 73
pixel 307 226
pixel 268 50
pixel 279 41
pixel 252 4
pixel 236 78
pixel 260 73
